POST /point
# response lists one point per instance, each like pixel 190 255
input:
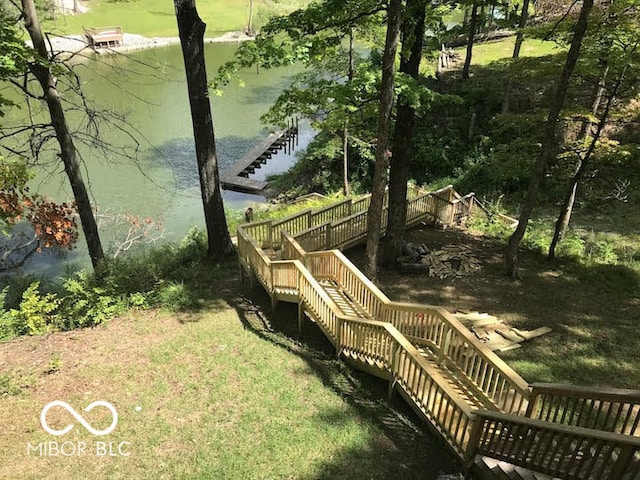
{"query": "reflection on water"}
pixel 162 182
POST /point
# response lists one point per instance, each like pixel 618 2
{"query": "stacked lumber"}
pixel 494 333
pixel 448 261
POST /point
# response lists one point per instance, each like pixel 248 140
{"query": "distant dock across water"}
pixel 236 177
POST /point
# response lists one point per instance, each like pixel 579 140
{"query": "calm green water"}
pixel 149 86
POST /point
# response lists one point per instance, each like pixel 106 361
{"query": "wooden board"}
pixel 529 334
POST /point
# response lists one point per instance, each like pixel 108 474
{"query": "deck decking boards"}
pixel 235 177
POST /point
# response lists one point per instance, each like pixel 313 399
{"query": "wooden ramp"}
pixel 236 177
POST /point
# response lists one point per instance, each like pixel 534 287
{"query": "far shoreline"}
pixel 73 44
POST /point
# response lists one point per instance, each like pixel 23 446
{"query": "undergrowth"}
pixel 169 277
pixel 175 276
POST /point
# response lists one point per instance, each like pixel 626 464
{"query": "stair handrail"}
pixel 608 409
pixel 568 452
pixel 456 347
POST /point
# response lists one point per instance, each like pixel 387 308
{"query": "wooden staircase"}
pixel 498 425
pixel 486 468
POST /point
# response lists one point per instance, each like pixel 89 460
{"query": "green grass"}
pixel 153 18
pixel 207 395
pixel 487 52
pixel 589 297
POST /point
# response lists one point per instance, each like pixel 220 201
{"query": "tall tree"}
pixel 374 225
pixel 613 44
pixel 41 69
pixel 473 26
pixel 191 30
pixel 549 147
pixel 337 89
pixel 566 209
pixel 410 56
pixel 524 16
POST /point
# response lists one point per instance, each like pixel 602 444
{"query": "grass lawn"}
pixel 487 52
pixel 214 393
pixel 153 18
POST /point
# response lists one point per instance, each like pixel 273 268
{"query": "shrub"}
pixel 538 237
pixel 602 251
pixel 36 313
pixel 572 245
pixel 85 304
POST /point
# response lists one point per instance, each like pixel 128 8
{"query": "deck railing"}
pixel 607 409
pixel 456 348
pixel 386 343
pixel 562 451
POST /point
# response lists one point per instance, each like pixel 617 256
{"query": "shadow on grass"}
pixel 401 447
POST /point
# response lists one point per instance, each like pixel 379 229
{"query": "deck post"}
pixel 338 336
pixel 474 439
pixel 300 317
pixel 393 367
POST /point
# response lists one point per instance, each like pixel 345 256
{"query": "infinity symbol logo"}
pixel 85 424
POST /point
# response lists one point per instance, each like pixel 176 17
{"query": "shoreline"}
pixel 73 44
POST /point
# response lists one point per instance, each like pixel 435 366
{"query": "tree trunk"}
pixel 250 23
pixel 473 23
pixel 76 6
pixel 602 83
pixel 191 31
pixel 345 160
pixel 562 224
pixel 374 227
pixel 410 56
pixel 549 142
pixel 345 137
pixel 68 155
pixel 524 16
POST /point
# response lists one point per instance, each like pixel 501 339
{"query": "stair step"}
pixel 492 469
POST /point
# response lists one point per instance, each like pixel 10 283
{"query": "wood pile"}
pixel 494 333
pixel 448 261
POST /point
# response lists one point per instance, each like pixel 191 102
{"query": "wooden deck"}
pixel 104 37
pixel 236 177
pixel 500 426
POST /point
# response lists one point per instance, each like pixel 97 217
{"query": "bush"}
pixel 85 304
pixel 36 314
pixel 538 237
pixel 491 224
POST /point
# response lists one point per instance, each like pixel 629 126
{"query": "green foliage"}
pixel 175 297
pixel 8 386
pixel 6 320
pixel 490 224
pixel 86 304
pixel 36 314
pixel 602 251
pixel 319 167
pixel 14 54
pixel 538 236
pixel 55 364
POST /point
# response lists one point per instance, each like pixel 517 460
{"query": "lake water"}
pixel 150 87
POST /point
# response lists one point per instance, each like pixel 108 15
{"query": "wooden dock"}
pixel 104 37
pixel 236 177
